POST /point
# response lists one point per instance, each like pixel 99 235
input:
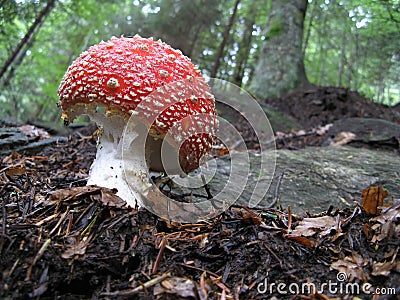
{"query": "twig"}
pixel 191 195
pixel 273 254
pixel 159 256
pixel 88 227
pixel 3 230
pixel 206 187
pixel 108 285
pixel 276 195
pixel 83 213
pixel 41 251
pixel 226 273
pixel 13 268
pixel 200 269
pixel 289 223
pixel 144 286
pixel 351 218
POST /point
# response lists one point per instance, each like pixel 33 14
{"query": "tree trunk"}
pixel 342 61
pixel 310 24
pixel 25 40
pixel 225 37
pixel 280 68
pixel 194 39
pixel 244 46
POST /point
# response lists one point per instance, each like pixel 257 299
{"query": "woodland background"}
pixel 343 43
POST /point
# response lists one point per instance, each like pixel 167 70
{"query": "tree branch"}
pixel 27 37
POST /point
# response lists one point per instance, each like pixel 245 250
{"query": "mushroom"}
pixel 152 106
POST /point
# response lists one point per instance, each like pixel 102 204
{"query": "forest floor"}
pixel 62 240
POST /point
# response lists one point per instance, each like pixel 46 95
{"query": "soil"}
pixel 324 105
pixel 319 107
pixel 62 240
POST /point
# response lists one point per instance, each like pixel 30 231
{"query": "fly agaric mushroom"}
pixel 155 89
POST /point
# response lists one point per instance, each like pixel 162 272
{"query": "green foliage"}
pixel 355 44
pixel 350 43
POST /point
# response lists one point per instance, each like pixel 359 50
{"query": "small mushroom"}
pixel 141 93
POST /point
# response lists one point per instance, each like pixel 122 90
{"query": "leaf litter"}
pixel 62 239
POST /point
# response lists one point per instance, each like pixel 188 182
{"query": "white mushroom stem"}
pixel 120 161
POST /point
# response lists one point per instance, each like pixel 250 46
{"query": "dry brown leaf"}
pixel 352 266
pixel 385 268
pixel 15 171
pixel 109 198
pixel 104 195
pixel 367 230
pixel 72 193
pixel 372 199
pixel 301 240
pixel 386 226
pixel 343 138
pixel 323 129
pixel 76 249
pixel 179 286
pixel 315 227
pixel 30 130
pixel 310 226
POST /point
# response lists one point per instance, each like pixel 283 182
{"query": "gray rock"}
pixel 14 140
pixel 368 130
pixel 314 178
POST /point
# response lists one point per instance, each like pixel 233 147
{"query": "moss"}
pixel 275 27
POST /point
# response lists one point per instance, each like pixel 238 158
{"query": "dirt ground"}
pixel 323 105
pixel 62 240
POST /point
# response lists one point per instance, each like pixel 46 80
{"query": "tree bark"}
pixel 225 37
pixel 280 68
pixel 194 39
pixel 342 61
pixel 244 46
pixel 25 40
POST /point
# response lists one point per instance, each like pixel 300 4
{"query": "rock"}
pixel 374 132
pixel 10 137
pixel 15 140
pixel 314 178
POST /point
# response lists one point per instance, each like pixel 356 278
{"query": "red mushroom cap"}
pixel 157 82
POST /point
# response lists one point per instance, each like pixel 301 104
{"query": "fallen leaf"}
pixel 301 240
pixel 315 227
pixel 343 138
pixel 372 199
pixel 179 286
pixel 109 198
pixel 72 193
pixel 311 226
pixel 76 249
pixel 385 268
pixel 386 226
pixel 104 195
pixel 323 129
pixel 15 171
pixel 31 130
pixel 367 230
pixel 352 266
